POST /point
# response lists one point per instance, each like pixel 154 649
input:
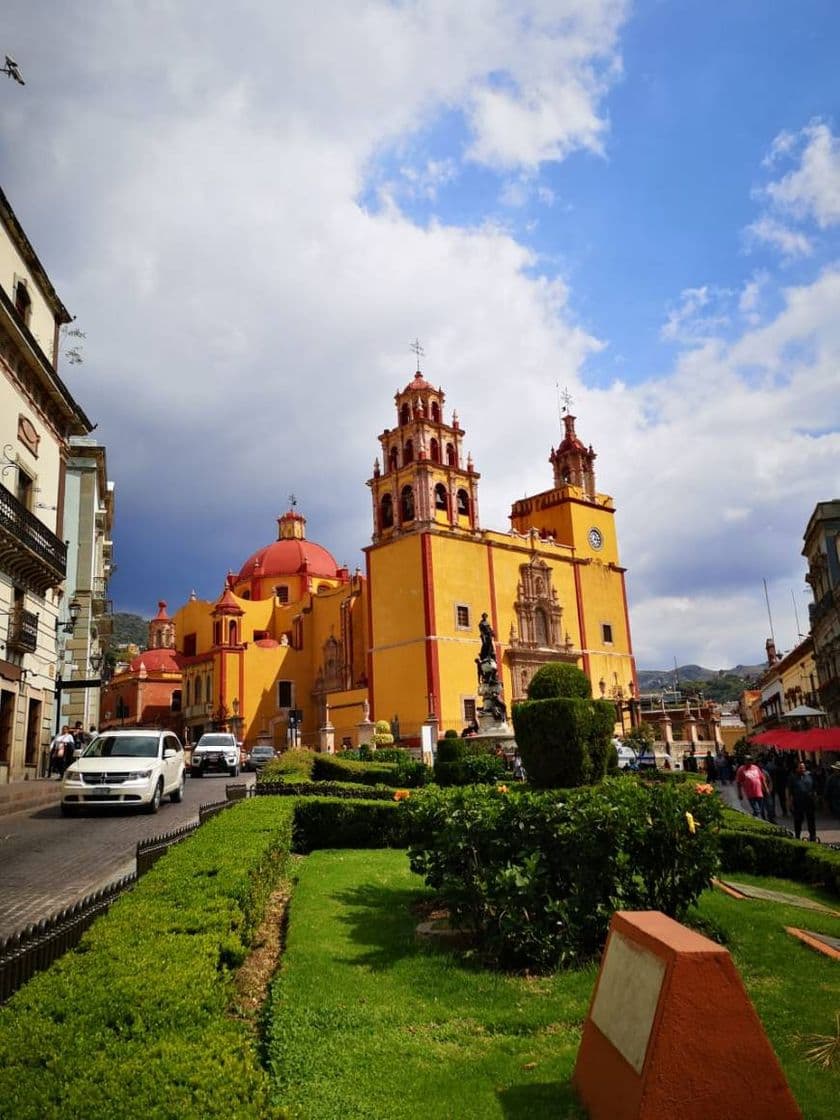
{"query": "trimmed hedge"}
pixel 137 1021
pixel 771 853
pixel 326 789
pixel 341 823
pixel 295 765
pixel 333 768
pixel 464 762
pixel 564 742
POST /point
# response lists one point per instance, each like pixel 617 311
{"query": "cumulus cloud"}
pixel 770 231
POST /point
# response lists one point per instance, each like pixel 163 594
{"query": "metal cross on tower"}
pixel 564 398
pixel 416 348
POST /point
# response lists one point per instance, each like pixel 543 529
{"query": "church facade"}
pixel 296 649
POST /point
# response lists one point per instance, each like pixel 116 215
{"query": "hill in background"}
pixel 130 629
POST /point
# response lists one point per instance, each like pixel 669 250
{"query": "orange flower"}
pixel 704 787
pixel 501 789
pixel 402 794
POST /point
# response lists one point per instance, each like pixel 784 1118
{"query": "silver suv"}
pixel 217 752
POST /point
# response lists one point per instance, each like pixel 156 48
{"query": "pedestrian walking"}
pixel 518 768
pixel 804 796
pixel 769 803
pixel 709 768
pixel 61 751
pixel 751 784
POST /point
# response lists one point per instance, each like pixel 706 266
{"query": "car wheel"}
pixel 178 793
pixel 154 804
pixel 234 773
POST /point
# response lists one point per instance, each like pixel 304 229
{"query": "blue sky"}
pixel 253 212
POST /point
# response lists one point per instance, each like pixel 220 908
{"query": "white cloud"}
pixel 700 315
pixel 812 189
pixel 769 231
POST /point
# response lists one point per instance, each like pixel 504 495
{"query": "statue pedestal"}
pixel 488 725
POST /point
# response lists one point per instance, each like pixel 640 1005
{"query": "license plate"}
pixel 100 791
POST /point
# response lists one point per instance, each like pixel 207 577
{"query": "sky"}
pixel 253 209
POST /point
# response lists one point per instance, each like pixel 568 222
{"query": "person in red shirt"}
pixel 752 784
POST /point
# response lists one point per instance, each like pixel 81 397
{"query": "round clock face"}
pixel 595 538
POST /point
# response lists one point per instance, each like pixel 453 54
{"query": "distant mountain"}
pixel 652 679
pixel 130 629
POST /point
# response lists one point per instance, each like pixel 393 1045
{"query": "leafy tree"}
pixel 557 679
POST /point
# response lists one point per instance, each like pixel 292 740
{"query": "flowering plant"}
pixel 402 794
pixel 704 787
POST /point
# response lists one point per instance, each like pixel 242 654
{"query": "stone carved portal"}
pixel 537 637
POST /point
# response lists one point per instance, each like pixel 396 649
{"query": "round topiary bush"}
pixel 382 736
pixel 558 679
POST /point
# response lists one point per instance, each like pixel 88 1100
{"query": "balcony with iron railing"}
pixel 29 552
pixel 22 635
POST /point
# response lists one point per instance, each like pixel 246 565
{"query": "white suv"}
pixel 131 766
pixel 216 752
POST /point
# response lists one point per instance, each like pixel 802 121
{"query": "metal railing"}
pixel 33 534
pixel 23 631
pixel 37 946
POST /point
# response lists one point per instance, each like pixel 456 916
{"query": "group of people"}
pixel 66 746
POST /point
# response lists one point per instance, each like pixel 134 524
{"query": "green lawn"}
pixel 364 1022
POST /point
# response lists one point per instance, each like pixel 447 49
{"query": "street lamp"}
pixel 74 609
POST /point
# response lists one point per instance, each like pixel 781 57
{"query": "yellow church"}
pixel 297 649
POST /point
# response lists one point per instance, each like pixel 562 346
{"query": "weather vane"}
pixel 292 500
pixel 564 398
pixel 13 70
pixel 417 348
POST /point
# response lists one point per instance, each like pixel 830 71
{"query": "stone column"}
pixel 665 732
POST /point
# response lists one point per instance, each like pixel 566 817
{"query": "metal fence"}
pixel 37 946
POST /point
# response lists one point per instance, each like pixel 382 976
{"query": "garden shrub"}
pixel 463 762
pixel 137 1021
pixel 366 753
pixel 563 741
pixel 407 772
pixel 340 823
pixel 558 679
pixel 537 876
pixel 325 789
pixel 766 851
pixel 295 765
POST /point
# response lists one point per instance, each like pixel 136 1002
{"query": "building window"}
pixel 434 450
pixel 441 497
pixel 33 733
pixel 386 511
pixel 463 499
pixel 175 703
pixel 462 616
pixel 451 457
pixel 23 304
pixel 405 414
pixel 285 696
pixel 217 633
pixel 393 459
pixel 282 593
pixel 469 710
pixel 606 633
pixel 436 412
pixel 189 645
pixel 407 504
pixel 233 634
pixel 23 491
pixel 208 688
pixel 408 452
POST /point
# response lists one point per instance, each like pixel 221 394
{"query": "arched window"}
pixel 233 634
pixel 217 633
pixel 451 458
pixel 407 504
pixel 441 497
pixel 405 414
pixel 393 459
pixel 463 507
pixel 408 452
pixel 434 450
pixel 386 512
pixel 436 412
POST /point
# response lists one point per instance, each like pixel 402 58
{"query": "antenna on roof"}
pixel 799 633
pixel 769 615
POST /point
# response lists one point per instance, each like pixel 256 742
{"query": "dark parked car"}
pixel 258 757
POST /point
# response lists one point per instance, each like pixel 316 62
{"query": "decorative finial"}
pixel 564 399
pixel 417 348
pixel 292 500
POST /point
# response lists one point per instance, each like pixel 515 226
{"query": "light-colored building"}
pixel 88 525
pixel 788 682
pixel 822 551
pixel 38 418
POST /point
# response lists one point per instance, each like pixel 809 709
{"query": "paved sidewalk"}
pixel 16 797
pixel 828 826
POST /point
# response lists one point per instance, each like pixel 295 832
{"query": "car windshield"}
pixel 123 746
pixel 215 741
pixel 262 752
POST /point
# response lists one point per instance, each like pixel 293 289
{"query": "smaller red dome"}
pixel 161 660
pixel 267 643
pixel 418 383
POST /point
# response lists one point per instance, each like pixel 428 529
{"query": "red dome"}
pixel 161 660
pixel 417 383
pixel 287 558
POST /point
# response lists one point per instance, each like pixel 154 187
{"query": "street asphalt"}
pixel 48 862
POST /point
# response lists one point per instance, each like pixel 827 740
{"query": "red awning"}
pixel 817 739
